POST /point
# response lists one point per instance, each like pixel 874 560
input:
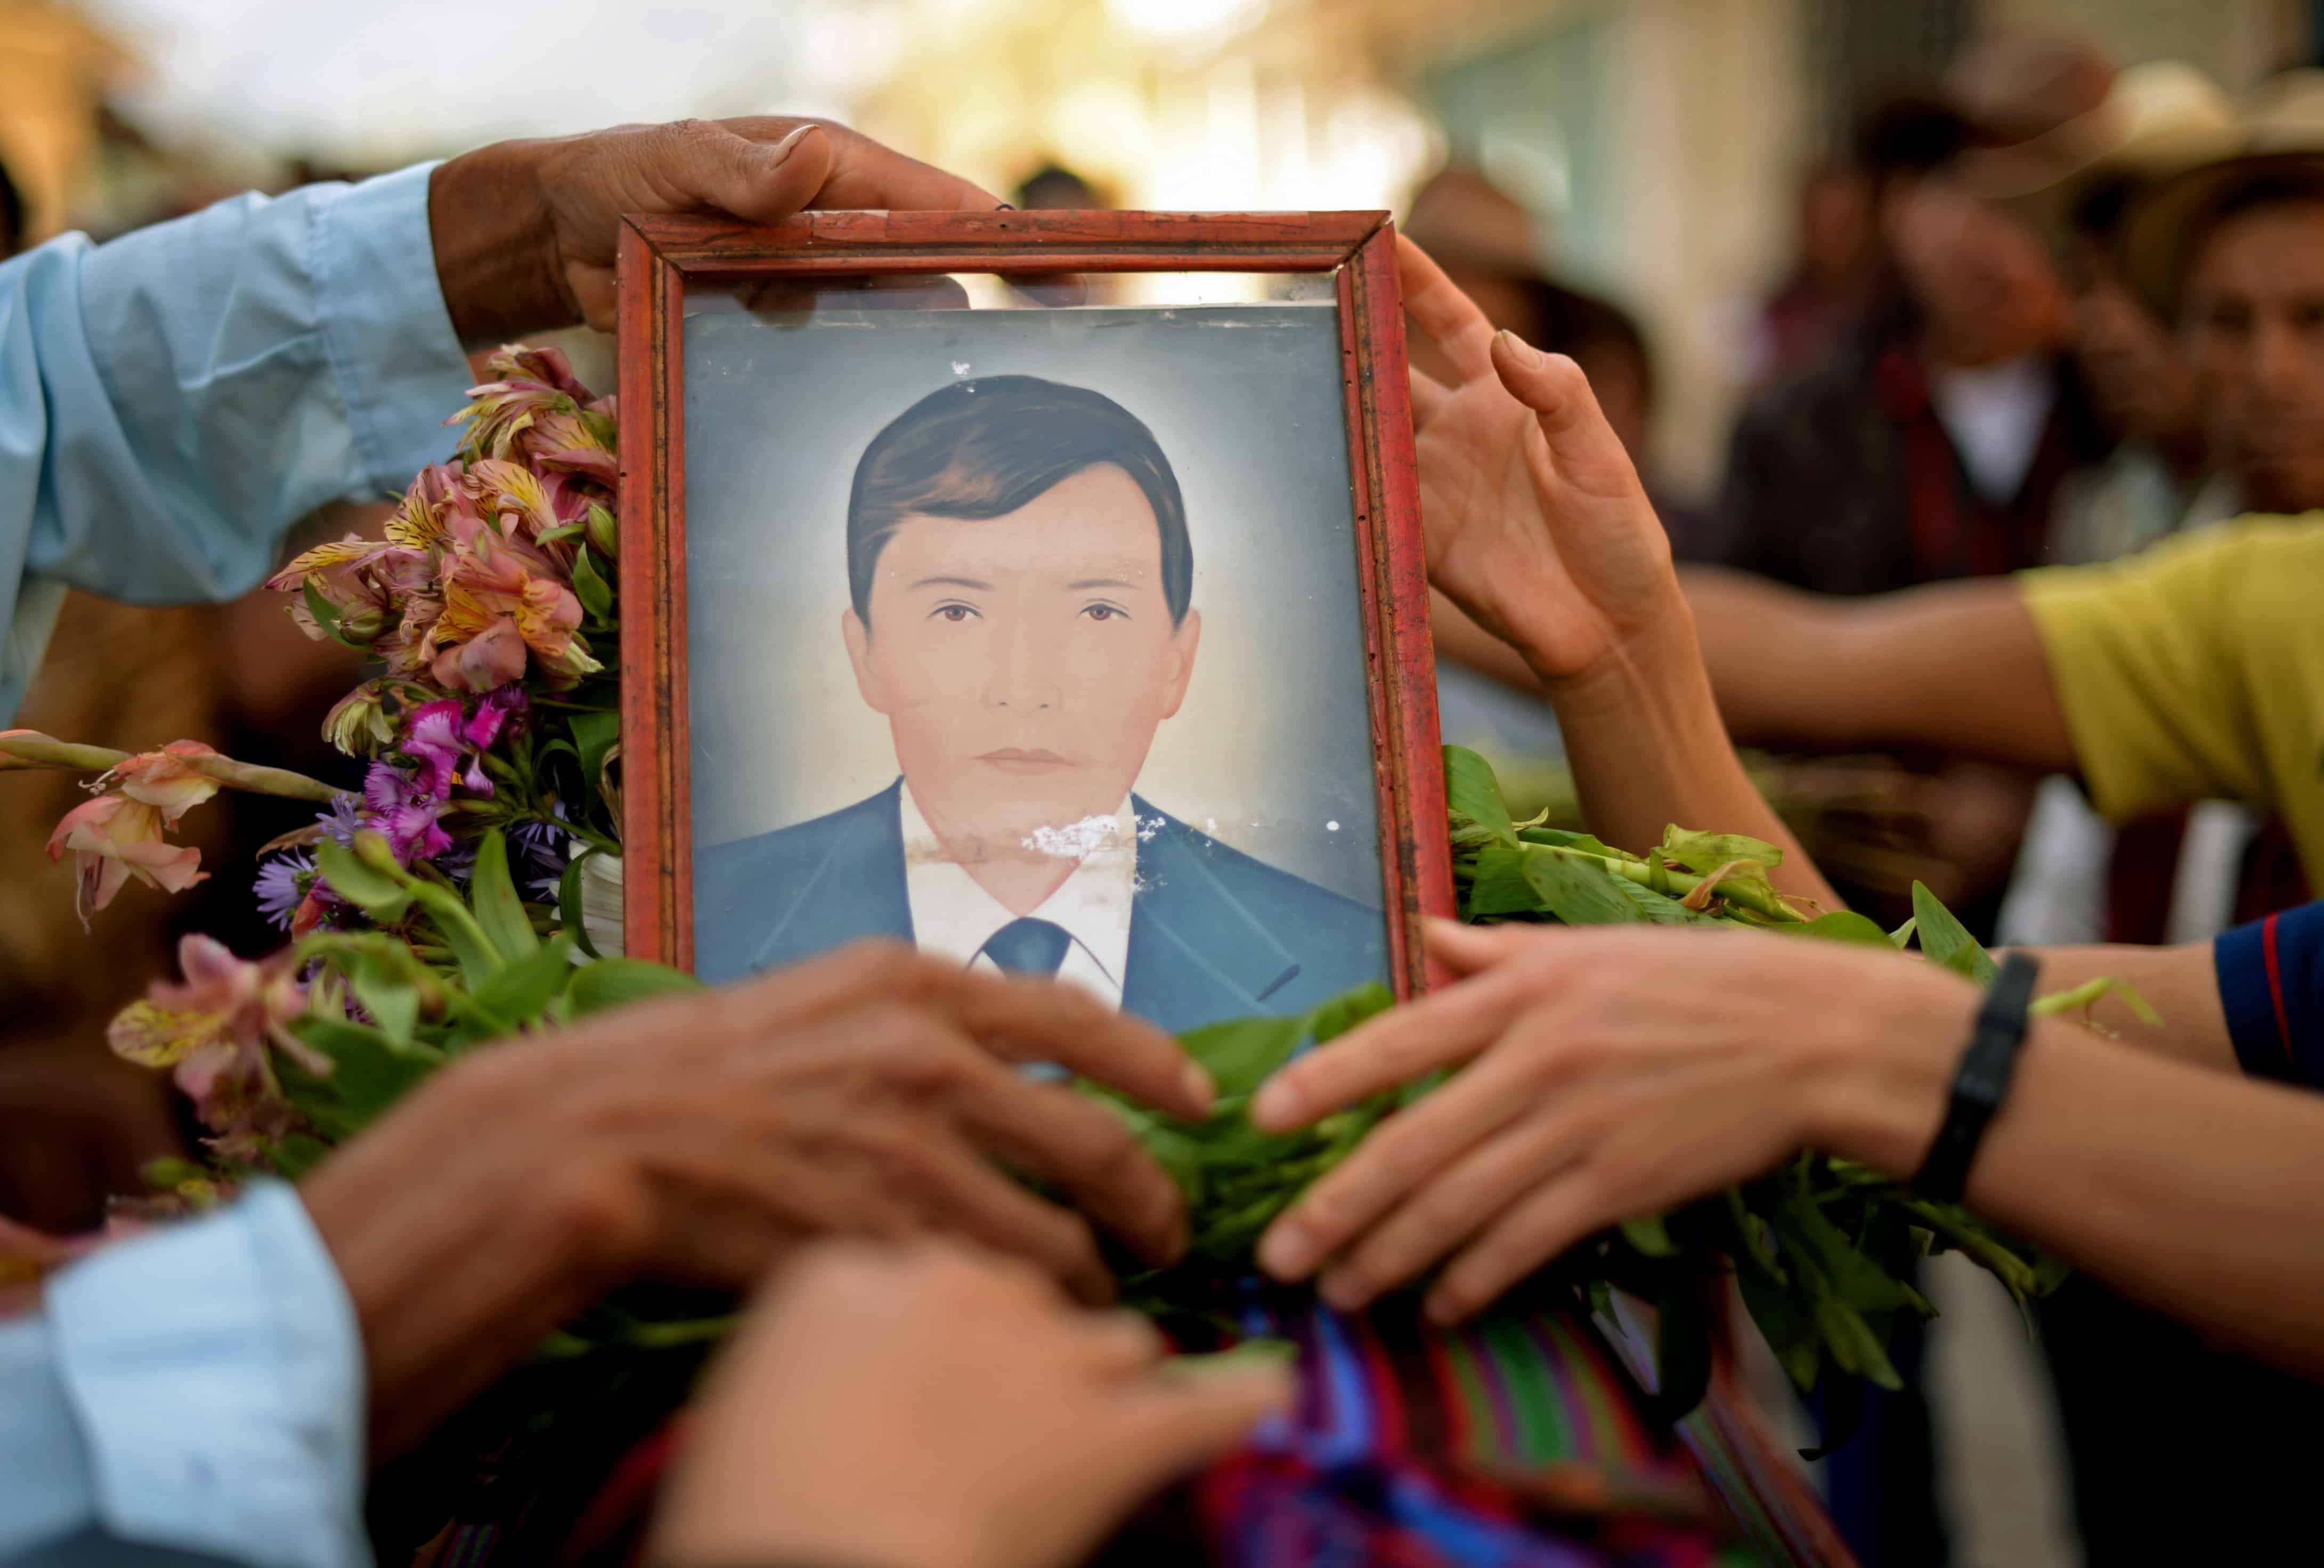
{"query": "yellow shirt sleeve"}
pixel 2151 665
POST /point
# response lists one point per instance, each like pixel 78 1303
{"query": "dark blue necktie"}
pixel 1029 946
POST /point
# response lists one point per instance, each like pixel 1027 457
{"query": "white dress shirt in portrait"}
pixel 953 915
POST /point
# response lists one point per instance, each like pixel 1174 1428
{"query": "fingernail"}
pixel 1287 1251
pixel 1197 1085
pixel 1346 1292
pixel 1522 352
pixel 789 144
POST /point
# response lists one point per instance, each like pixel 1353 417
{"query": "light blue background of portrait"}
pixel 1272 751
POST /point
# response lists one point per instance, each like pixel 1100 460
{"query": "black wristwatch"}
pixel 1981 1082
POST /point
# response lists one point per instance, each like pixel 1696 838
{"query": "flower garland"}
pixel 493 719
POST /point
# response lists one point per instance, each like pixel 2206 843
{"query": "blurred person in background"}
pixel 1934 442
pixel 2192 671
pixel 1055 188
pixel 1835 277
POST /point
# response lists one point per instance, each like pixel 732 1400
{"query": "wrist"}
pixel 1885 1057
pixel 1656 662
pixel 494 245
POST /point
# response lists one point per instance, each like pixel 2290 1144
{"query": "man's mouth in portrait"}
pixel 1022 759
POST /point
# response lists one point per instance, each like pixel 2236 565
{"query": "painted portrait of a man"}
pixel 1019 612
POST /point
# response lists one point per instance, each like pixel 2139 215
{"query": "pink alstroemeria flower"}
pixel 213 1031
pixel 115 838
pixel 166 778
pixel 533 383
pixel 502 594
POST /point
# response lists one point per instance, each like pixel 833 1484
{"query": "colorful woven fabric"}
pixel 1515 1442
pixel 1512 1443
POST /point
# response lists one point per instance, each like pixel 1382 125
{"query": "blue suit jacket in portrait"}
pixel 1213 934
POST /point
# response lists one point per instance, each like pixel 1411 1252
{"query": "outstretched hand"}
pixel 525 232
pixel 1535 522
pixel 1605 1074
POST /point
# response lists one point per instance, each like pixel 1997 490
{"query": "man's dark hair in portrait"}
pixel 983 448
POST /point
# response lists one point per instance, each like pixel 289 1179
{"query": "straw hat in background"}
pixel 2277 146
pixel 2154 121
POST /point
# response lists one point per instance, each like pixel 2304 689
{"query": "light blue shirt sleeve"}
pixel 193 1395
pixel 172 402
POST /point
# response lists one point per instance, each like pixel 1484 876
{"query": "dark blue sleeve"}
pixel 2271 984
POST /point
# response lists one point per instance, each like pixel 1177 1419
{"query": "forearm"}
pixel 2180 983
pixel 449 1294
pixel 1647 749
pixel 1956 667
pixel 2197 1194
pixel 494 254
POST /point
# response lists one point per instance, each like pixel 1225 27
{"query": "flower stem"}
pixel 25 749
pixel 1673 882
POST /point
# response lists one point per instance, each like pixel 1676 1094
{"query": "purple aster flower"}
pixel 344 820
pixel 278 885
pixel 406 813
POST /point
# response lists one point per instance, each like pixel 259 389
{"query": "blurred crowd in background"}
pixel 1871 288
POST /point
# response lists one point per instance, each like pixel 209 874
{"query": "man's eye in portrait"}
pixel 955 612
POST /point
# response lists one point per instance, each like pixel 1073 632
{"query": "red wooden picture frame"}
pixel 660 257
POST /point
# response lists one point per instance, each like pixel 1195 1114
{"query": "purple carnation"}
pixel 406 812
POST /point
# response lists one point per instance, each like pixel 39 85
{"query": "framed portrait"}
pixel 1044 589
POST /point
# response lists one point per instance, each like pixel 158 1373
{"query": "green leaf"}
pixel 1852 1342
pixel 375 894
pixel 369 1072
pixel 1498 886
pixel 1578 892
pixel 1841 926
pixel 589 587
pixel 1334 1018
pixel 520 992
pixel 1650 1236
pixel 498 909
pixel 594 734
pixel 569 903
pixel 1661 908
pixel 1786 1323
pixel 1947 941
pixel 1681 1347
pixel 1471 791
pixel 1707 852
pixel 1242 1054
pixel 1560 838
pixel 387 993
pixel 1902 937
pixel 1843 1417
pixel 618 981
pixel 327 615
pixel 478 959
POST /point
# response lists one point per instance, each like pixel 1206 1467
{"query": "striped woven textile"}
pixel 1514 1441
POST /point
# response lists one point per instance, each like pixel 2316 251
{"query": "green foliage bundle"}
pixel 1823 1250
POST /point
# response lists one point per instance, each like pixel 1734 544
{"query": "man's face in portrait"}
pixel 1024 661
